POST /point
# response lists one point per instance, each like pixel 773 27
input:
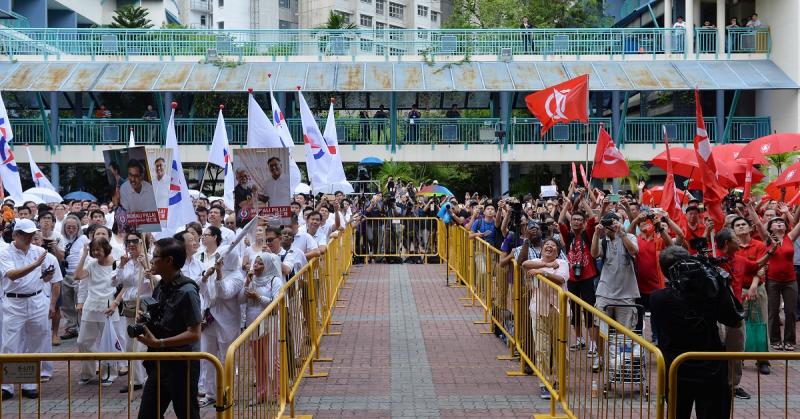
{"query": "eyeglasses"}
pixel 132 241
pixel 271 239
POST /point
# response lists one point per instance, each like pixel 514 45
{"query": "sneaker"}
pixel 591 353
pixel 763 368
pixel 30 394
pixel 71 334
pixel 44 379
pixel 206 401
pixel 544 393
pixel 106 383
pixel 741 394
pixel 597 364
pixel 577 346
pixel 7 395
pixel 85 381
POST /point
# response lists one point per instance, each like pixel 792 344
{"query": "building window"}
pixel 347 17
pixel 282 24
pixel 203 20
pixel 422 11
pixel 380 25
pixel 395 10
pixel 366 1
pixel 286 4
pixel 220 25
pixel 366 21
pixel 434 16
pixel 380 7
pixel 220 3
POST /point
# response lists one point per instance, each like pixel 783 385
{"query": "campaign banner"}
pixel 261 192
pixel 129 174
pixel 157 159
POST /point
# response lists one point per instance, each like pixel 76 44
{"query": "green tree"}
pixel 638 172
pixel 488 14
pixel 130 16
pixel 337 21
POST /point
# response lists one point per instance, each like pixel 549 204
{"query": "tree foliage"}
pixel 130 16
pixel 337 21
pixel 489 14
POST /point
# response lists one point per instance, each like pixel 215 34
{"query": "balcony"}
pixel 424 131
pixel 200 5
pixel 315 44
pixel 737 41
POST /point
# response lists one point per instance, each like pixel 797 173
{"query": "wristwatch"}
pixel 161 343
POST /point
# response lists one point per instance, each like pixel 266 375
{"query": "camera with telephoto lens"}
pixel 150 314
pixel 700 279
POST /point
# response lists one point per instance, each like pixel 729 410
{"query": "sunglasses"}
pixel 132 241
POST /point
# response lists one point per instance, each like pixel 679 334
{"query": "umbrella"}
pixel 47 195
pixel 302 188
pixel 434 190
pixel 652 196
pixel 195 194
pixel 729 153
pixel 684 163
pixel 80 195
pixel 790 176
pixel 32 197
pixel 771 144
pixel 371 161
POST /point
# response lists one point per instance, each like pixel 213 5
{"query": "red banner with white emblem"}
pixel 608 161
pixel 562 103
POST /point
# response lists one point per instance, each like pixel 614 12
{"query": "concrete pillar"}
pixel 54 176
pixel 690 24
pixel 667 13
pixel 77 104
pixel 721 22
pixel 54 118
pixel 720 116
pixel 62 19
pixel 393 121
pixel 168 98
pixel 34 10
pixel 615 112
pixel 505 120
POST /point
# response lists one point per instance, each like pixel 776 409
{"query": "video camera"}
pixel 151 313
pixel 699 277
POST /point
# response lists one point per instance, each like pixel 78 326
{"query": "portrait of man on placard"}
pixel 134 195
pixel 158 160
pixel 259 191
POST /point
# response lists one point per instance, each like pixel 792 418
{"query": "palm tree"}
pixel 779 161
pixel 130 16
pixel 337 21
pixel 638 172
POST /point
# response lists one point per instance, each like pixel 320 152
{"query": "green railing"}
pixel 705 41
pixel 748 40
pixel 18 21
pixel 354 131
pixel 319 43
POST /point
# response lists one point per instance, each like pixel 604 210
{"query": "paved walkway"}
pixel 409 349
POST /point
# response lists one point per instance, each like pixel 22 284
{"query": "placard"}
pixel 158 161
pixel 128 172
pixel 259 191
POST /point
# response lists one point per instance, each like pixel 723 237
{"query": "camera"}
pixel 577 268
pixel 150 313
pixel 608 220
pixel 699 278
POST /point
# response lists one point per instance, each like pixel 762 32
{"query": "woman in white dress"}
pixel 97 278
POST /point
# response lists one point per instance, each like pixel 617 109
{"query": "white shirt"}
pixel 12 258
pixel 223 295
pixel 193 268
pixel 132 201
pixel 681 25
pixel 50 260
pixel 278 192
pixel 128 276
pixel 162 191
pixel 74 255
pixel 99 286
pixel 304 242
pixel 295 260
pixel 321 235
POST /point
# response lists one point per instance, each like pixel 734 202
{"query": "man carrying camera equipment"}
pixel 578 231
pixel 617 285
pixel 696 298
pixel 173 326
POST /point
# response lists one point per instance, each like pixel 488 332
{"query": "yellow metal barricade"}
pixel 22 367
pixel 612 372
pixel 772 395
pixel 398 237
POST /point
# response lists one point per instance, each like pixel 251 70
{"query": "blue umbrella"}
pixel 371 161
pixel 80 195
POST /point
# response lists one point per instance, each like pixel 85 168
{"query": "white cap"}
pixel 26 226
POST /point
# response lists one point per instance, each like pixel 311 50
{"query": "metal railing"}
pixel 705 40
pixel 354 131
pixel 534 314
pixel 403 237
pixel 748 40
pixel 359 42
pixel 67 406
pixel 17 22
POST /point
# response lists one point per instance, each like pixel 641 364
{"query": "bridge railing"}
pixel 319 43
pixel 355 131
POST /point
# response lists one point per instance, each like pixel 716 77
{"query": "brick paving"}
pixel 409 349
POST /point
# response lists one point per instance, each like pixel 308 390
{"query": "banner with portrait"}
pixel 158 162
pixel 128 172
pixel 259 191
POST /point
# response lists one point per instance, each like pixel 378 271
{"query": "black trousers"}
pixel 174 388
pixel 711 400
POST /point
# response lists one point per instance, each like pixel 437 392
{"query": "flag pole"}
pixel 203 179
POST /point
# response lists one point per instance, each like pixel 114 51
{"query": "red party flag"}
pixel 608 161
pixel 713 192
pixel 748 180
pixel 574 175
pixel 583 175
pixel 564 102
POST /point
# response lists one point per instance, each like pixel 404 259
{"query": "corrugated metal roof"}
pixel 387 77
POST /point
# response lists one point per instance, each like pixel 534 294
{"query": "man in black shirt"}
pixel 687 324
pixel 175 329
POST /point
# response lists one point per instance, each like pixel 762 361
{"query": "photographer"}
pixel 176 327
pixel 696 298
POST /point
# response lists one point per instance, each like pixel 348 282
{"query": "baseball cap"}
pixel 26 226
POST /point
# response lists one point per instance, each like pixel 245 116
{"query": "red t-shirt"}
pixel 648 271
pixel 698 232
pixel 752 251
pixel 780 267
pixel 742 271
pixel 581 251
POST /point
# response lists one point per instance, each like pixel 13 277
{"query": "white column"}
pixel 690 23
pixel 668 24
pixel 721 23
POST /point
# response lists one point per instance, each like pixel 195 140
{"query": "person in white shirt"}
pixel 277 187
pixel 69 254
pixel 161 183
pixel 754 21
pixel 216 216
pixel 137 194
pixel 304 242
pixel 679 23
pixel 264 282
pixel 100 285
pixel 52 290
pixel 132 274
pixel 51 241
pixel 192 268
pixel 60 211
pixel 220 286
pixel 293 258
pixel 26 327
pixel 318 231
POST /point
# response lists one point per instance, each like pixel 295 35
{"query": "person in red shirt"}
pixel 653 237
pixel 583 273
pixel 781 280
pixel 694 231
pixel 742 271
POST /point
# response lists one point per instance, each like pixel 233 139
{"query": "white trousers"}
pixel 212 343
pixel 88 339
pixel 26 328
